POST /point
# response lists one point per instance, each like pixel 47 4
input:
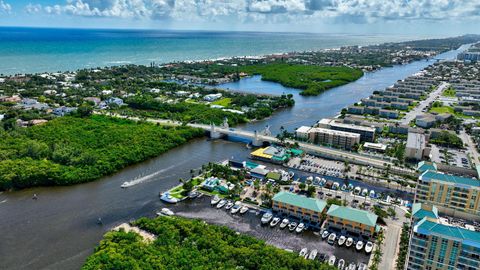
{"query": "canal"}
pixel 59 230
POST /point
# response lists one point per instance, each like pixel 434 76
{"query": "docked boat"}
pixel 313 254
pixel 335 185
pixel 343 188
pixel 291 174
pixel 350 187
pixel 351 266
pixel 266 217
pixel 126 185
pixel 341 264
pixel 274 222
pixel 229 205
pixel 325 234
pixel 368 247
pixel 331 260
pixel 323 181
pixel 362 266
pixel 215 199
pixel 331 238
pixel 221 203
pixel 193 194
pixel 166 197
pixel 303 252
pixel 236 207
pixel 364 192
pixel 349 242
pixel 292 226
pixel 341 240
pixel 284 223
pixel 359 245
pixel 165 212
pixel 300 228
pixel 244 209
pixel 372 194
pixel 357 190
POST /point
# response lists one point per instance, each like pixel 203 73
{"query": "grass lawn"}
pixel 225 102
pixel 443 109
pixel 450 92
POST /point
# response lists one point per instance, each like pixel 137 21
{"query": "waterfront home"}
pixel 351 220
pixel 212 97
pixel 300 207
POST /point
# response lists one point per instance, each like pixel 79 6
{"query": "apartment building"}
pixel 298 206
pixel 351 220
pixel 367 134
pixel 335 138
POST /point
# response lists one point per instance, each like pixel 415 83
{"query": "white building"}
pixel 416 146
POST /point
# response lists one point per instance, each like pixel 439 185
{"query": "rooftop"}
pixel 356 215
pixel 300 201
pixel 425 166
pixel 416 140
pixel 335 132
pixel 429 226
pixel 420 211
pixel 453 179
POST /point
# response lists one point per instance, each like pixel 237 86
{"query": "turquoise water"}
pixel 30 50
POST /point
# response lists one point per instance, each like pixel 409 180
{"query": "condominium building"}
pixel 351 220
pixel 453 195
pixel 340 139
pixel 435 245
pixel 416 147
pixel 367 134
pixel 298 206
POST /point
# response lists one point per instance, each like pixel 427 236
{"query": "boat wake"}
pixel 145 178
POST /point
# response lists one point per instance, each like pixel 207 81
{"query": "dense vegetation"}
pixel 313 80
pixel 71 150
pixel 402 253
pixel 191 244
pixel 447 139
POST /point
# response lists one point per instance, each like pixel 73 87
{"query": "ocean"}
pixel 34 50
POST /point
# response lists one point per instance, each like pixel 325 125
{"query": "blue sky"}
pixel 425 17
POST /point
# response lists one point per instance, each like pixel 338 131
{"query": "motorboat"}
pixel 300 228
pixel 331 238
pixel 266 217
pixel 350 187
pixel 236 207
pixel 221 203
pixel 193 194
pixel 323 181
pixel 331 260
pixel 364 192
pixel 229 205
pixel 291 174
pixel 313 254
pixel 349 242
pixel 292 226
pixel 309 179
pixel 303 252
pixel 357 190
pixel 244 209
pixel 325 234
pixel 126 184
pixel 166 197
pixel 351 266
pixel 362 266
pixel 335 185
pixel 341 240
pixel 215 199
pixel 341 264
pixel 359 245
pixel 284 223
pixel 165 212
pixel 368 247
pixel 274 222
pixel 372 194
pixel 343 188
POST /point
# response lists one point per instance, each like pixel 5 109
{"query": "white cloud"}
pixel 33 8
pixel 5 7
pixel 269 10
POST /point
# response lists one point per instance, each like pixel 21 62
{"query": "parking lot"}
pixel 450 156
pixel 318 165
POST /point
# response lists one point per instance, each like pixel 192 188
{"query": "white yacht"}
pixel 166 197
pixel 364 192
pixel 221 203
pixel 284 223
pixel 266 217
pixel 325 234
pixel 313 254
pixel 331 260
pixel 368 247
pixel 357 190
pixel 341 240
pixel 292 226
pixel 351 266
pixel 349 242
pixel 165 212
pixel 274 222
pixel 331 238
pixel 236 208
pixel 359 245
pixel 215 199
pixel 341 264
pixel 303 252
pixel 229 205
pixel 244 209
pixel 300 228
pixel 126 185
pixel 372 194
